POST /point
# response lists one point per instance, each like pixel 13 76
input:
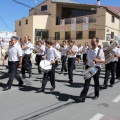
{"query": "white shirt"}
pixel 74 48
pixel 92 54
pixel 63 50
pixel 117 52
pixel 79 50
pixel 39 51
pixel 28 50
pixel 14 52
pixel 57 46
pixel 51 54
pixel 85 49
pixel 3 45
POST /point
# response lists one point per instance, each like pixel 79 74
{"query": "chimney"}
pixel 98 2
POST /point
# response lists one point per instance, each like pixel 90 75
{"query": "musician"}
pixel 84 51
pixel 95 57
pixel 111 67
pixel 78 55
pixel 26 63
pixel 63 56
pixel 71 53
pixel 51 56
pixel 57 47
pixel 41 51
pixel 14 56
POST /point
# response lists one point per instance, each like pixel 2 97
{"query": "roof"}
pixel 65 1
pixel 114 8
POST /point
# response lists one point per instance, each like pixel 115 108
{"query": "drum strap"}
pixel 98 53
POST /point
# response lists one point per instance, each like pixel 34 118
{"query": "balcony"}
pixel 79 20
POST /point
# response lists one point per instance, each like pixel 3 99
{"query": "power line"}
pixel 5 24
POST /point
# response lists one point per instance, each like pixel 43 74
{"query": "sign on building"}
pixel 62 23
pixel 73 24
pixel 85 23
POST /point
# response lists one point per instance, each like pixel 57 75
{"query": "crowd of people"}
pixel 92 56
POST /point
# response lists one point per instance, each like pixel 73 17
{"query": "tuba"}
pixel 109 53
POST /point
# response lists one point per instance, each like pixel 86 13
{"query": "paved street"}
pixel 25 103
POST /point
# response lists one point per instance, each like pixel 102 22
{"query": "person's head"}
pixel 64 42
pixel 39 42
pixel 48 43
pixel 70 42
pixel 94 42
pixel 111 41
pixel 86 43
pixel 26 38
pixel 3 40
pixel 14 39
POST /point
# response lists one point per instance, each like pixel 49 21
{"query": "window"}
pixel 19 23
pixel 43 7
pixel 92 34
pixel 57 35
pixel 112 35
pixel 113 19
pixel 26 22
pixel 67 35
pixel 41 34
pixel 79 35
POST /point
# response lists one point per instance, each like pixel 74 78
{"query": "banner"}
pixel 62 23
pixel 6 36
pixel 85 23
pixel 73 24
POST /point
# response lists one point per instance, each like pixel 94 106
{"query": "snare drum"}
pixel 90 72
pixel 45 66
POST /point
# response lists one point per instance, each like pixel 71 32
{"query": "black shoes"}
pixel 6 88
pixel 79 99
pixel 24 76
pixel 104 87
pixel 20 84
pixel 95 97
pixel 111 85
pixel 41 90
pixel 70 82
pixel 52 88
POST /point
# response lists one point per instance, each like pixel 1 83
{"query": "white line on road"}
pixel 98 116
pixel 117 99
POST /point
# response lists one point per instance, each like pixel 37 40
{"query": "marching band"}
pixel 48 53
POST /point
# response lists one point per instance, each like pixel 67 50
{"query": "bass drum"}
pixel 45 66
pixel 90 72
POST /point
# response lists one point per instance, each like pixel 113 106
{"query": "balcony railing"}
pixel 79 20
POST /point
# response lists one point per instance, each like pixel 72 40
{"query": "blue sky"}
pixel 10 11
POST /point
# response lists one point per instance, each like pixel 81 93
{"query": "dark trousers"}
pixel 13 73
pixel 51 75
pixel 84 57
pixel 39 58
pixel 63 59
pixel 110 67
pixel 87 84
pixel 118 69
pixel 26 64
pixel 71 65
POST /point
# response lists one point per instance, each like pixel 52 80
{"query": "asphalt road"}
pixel 25 103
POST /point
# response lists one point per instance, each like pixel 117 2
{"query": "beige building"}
pixel 55 19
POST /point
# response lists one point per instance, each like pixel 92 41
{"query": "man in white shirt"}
pixel 14 56
pixel 40 53
pixel 63 56
pixel 26 63
pixel 57 47
pixel 51 56
pixel 111 67
pixel 95 57
pixel 71 53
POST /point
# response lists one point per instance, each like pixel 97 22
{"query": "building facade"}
pixel 53 19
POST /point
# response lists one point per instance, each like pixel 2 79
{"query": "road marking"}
pixel 117 99
pixel 98 116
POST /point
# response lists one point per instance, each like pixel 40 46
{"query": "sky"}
pixel 10 11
